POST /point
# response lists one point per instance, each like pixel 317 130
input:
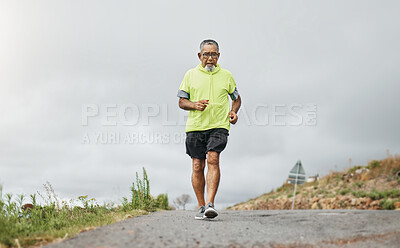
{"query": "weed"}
pixel 390 178
pixel 338 177
pixel 354 168
pixel 344 191
pixel 387 204
pixel 375 195
pixel 394 193
pixel 140 195
pixel 315 183
pixel 365 177
pixel 373 164
pixel 162 201
pixel 358 184
pixel 322 192
pixel 359 194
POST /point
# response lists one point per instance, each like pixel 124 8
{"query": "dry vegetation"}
pixel 374 186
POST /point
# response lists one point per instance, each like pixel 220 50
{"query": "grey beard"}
pixel 210 68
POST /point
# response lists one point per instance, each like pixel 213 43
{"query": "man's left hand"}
pixel 233 117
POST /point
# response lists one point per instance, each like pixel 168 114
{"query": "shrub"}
pixel 338 177
pixel 354 168
pixel 387 204
pixel 359 194
pixel 373 164
pixel 141 198
pixel 375 195
pixel 394 193
pixel 162 201
pixel 140 195
pixel 365 177
pixel 344 191
pixel 358 184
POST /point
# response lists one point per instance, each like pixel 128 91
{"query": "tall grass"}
pixel 34 223
pixel 140 195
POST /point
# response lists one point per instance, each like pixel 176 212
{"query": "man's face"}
pixel 209 55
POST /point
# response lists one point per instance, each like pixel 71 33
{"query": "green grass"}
pixel 322 192
pixel 344 191
pixel 354 168
pixel 359 194
pixel 377 195
pixel 40 224
pixel 358 184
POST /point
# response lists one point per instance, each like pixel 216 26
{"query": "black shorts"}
pixel 198 143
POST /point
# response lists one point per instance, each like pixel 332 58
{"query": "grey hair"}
pixel 209 42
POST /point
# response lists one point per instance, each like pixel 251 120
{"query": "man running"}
pixel 204 92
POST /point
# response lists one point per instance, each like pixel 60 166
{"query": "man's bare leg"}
pixel 198 180
pixel 213 175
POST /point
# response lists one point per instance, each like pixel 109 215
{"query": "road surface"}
pixel 262 228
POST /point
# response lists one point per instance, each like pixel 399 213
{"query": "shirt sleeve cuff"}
pixel 234 95
pixel 183 94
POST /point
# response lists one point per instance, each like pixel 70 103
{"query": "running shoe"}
pixel 210 211
pixel 200 214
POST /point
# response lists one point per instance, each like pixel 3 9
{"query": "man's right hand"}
pixel 201 105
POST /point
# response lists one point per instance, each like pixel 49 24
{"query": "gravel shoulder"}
pixel 260 228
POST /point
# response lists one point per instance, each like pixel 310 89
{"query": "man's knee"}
pixel 198 165
pixel 213 158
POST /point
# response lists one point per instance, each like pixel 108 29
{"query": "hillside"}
pixel 373 186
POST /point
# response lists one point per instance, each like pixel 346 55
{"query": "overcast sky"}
pixel 88 91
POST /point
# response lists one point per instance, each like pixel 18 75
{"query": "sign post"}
pixel 296 176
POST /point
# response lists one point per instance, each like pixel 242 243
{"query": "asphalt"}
pixel 262 228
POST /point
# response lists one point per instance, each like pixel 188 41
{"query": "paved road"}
pixel 277 229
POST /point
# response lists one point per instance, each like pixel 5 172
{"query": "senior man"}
pixel 204 92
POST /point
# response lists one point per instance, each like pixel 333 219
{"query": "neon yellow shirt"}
pixel 215 86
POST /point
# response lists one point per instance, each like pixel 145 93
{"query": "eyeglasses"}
pixel 214 55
